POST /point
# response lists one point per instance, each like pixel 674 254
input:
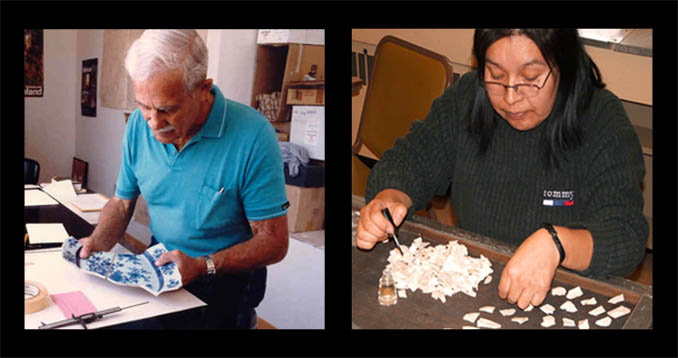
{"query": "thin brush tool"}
pixel 387 214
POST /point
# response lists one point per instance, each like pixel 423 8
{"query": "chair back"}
pixel 31 171
pixel 404 82
pixel 79 171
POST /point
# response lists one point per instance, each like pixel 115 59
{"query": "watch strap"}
pixel 556 240
pixel 211 268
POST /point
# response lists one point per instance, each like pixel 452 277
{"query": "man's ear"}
pixel 206 84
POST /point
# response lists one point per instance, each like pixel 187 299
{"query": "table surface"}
pixel 420 310
pixel 48 268
pixel 75 225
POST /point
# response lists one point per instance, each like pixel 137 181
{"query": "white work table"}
pixel 48 268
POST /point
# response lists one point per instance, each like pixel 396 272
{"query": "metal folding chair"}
pixel 405 81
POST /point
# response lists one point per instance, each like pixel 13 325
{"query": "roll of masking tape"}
pixel 35 297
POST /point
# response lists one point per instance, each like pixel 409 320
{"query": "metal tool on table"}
pixel 83 319
pixel 387 214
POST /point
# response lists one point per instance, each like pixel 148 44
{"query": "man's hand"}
pixel 528 274
pixel 113 221
pixel 89 246
pixel 190 268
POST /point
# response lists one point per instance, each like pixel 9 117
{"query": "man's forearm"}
pixel 113 222
pixel 268 246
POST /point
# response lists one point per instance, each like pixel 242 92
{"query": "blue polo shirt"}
pixel 201 199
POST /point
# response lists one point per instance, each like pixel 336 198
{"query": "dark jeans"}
pixel 231 300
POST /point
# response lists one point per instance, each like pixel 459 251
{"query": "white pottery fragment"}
pixel 597 311
pixel 567 322
pixel 439 295
pixel 486 323
pixel 574 293
pixel 547 308
pixel 583 324
pixel 528 308
pixel 604 322
pixel 519 320
pixel 568 306
pixel 471 317
pixel 488 309
pixel 590 302
pixel 402 294
pixel 616 299
pixel 507 312
pixel 488 279
pixel 548 321
pixel 618 312
pixel 439 270
pixel 558 291
pixel 469 327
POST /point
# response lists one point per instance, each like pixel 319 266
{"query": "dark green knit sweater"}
pixel 506 193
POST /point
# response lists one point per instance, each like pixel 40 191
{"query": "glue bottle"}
pixel 387 290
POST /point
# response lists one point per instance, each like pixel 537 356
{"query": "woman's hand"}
pixel 373 226
pixel 528 274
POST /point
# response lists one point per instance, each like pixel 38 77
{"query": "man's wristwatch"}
pixel 211 269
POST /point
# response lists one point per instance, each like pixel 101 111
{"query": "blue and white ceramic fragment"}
pixel 127 269
pixel 69 250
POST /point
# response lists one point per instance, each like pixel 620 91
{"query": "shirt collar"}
pixel 215 125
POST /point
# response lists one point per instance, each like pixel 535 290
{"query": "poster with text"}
pixel 33 65
pixel 88 101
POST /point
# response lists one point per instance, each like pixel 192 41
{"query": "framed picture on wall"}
pixel 33 63
pixel 88 101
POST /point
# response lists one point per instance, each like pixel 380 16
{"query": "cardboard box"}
pixel 306 96
pixel 311 37
pixel 282 130
pixel 307 208
pixel 308 130
pixel 304 63
pixel 277 66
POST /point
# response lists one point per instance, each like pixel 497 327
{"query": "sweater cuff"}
pixel 614 252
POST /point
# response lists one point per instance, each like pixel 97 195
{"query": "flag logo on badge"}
pixel 558 198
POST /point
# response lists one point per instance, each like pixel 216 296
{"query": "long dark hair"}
pixel 579 75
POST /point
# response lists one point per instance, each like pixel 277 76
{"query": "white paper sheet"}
pixel 64 193
pixel 48 268
pixel 62 190
pixel 37 198
pixel 89 202
pixel 46 233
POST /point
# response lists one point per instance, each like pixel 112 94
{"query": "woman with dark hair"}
pixel 535 152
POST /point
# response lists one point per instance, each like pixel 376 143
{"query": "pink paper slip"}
pixel 75 303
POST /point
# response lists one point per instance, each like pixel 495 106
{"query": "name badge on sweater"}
pixel 558 198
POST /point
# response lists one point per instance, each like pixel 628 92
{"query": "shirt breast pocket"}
pixel 216 208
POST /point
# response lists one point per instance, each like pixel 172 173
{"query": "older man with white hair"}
pixel 212 174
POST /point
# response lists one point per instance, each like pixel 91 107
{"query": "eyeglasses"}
pixel 525 90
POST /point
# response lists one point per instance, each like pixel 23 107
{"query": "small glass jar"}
pixel 387 291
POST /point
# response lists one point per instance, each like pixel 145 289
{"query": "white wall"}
pixel 49 124
pixel 55 129
pixel 98 139
pixel 232 59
